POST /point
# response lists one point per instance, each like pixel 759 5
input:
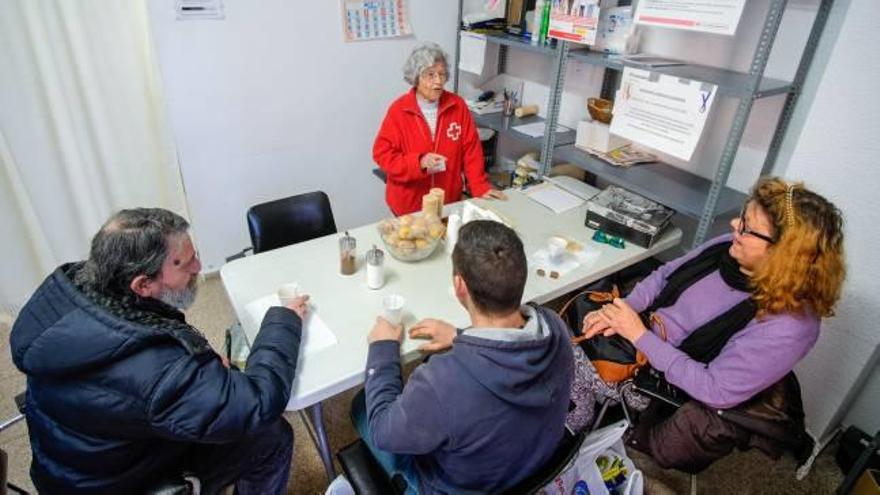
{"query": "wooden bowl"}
pixel 600 109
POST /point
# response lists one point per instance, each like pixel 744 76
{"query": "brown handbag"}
pixel 614 357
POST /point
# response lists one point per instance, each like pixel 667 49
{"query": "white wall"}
pixel 271 102
pixel 833 147
pixel 865 411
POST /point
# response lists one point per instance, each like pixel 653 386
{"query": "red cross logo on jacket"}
pixel 453 132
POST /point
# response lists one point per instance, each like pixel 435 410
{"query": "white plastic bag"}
pixel 236 346
pixel 582 476
pixel 340 486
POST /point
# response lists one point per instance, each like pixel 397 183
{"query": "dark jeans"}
pixel 689 438
pixel 258 463
pixel 393 464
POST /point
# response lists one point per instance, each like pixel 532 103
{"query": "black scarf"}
pixel 706 342
pixel 148 312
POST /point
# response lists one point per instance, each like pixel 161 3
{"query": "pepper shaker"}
pixel 347 254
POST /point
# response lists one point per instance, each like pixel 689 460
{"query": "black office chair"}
pixel 290 220
pixel 565 452
pixel 367 477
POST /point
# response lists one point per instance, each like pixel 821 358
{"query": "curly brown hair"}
pixel 805 266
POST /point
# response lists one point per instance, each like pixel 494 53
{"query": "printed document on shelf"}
pixel 316 335
pixel 472 52
pixel 663 112
pixel 708 16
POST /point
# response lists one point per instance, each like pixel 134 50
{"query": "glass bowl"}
pixel 411 237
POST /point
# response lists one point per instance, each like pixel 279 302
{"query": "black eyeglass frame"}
pixel 743 230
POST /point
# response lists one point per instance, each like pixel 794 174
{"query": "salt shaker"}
pixel 347 254
pixel 375 270
pixel 452 225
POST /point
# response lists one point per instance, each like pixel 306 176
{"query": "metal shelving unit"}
pixel 678 189
pixel 504 125
pixel 681 190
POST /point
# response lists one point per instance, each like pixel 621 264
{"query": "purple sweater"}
pixel 753 359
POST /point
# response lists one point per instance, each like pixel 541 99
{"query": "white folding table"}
pixel 349 308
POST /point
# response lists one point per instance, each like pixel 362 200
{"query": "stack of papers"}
pixel 557 199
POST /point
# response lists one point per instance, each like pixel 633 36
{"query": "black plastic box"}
pixel 626 214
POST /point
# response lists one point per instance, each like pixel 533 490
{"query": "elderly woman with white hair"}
pixel 428 138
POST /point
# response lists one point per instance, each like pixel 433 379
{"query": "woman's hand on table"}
pixel 495 194
pixel 384 330
pixel 430 161
pixel 300 306
pixel 621 319
pixel 439 332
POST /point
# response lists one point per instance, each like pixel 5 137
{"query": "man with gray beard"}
pixel 122 392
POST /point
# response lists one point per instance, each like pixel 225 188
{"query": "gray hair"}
pixel 422 57
pixel 131 243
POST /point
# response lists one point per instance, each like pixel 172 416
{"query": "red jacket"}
pixel 405 137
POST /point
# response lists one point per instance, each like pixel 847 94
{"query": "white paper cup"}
pixel 555 248
pixel 392 308
pixel 288 292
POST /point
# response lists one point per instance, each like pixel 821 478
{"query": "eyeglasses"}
pixel 609 239
pixel 430 74
pixel 743 230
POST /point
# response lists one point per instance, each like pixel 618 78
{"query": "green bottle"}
pixel 545 22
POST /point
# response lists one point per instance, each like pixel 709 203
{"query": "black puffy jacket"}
pixel 112 404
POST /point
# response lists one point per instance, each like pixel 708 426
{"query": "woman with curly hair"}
pixel 727 323
pixel 428 138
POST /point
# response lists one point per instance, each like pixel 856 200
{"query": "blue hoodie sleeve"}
pixel 198 399
pixel 402 420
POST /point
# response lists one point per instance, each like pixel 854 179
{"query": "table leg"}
pixel 315 425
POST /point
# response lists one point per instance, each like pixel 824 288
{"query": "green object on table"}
pixel 611 240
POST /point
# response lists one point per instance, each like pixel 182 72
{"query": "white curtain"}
pixel 83 131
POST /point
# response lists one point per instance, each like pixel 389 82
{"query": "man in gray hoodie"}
pixel 488 412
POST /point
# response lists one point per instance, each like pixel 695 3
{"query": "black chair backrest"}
pixel 290 220
pixel 565 452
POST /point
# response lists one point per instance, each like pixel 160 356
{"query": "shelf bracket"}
pixel 454 69
pixel 744 108
pixel 553 103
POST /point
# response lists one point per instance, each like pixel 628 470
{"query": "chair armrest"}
pixel 363 471
pixel 240 254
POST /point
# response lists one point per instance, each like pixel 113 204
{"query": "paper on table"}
pixel 554 197
pixel 472 52
pixel 567 262
pixel 535 129
pixel 664 112
pixel 708 16
pixel 471 211
pixel 316 334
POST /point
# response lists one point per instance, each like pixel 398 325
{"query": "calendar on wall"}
pixel 375 19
